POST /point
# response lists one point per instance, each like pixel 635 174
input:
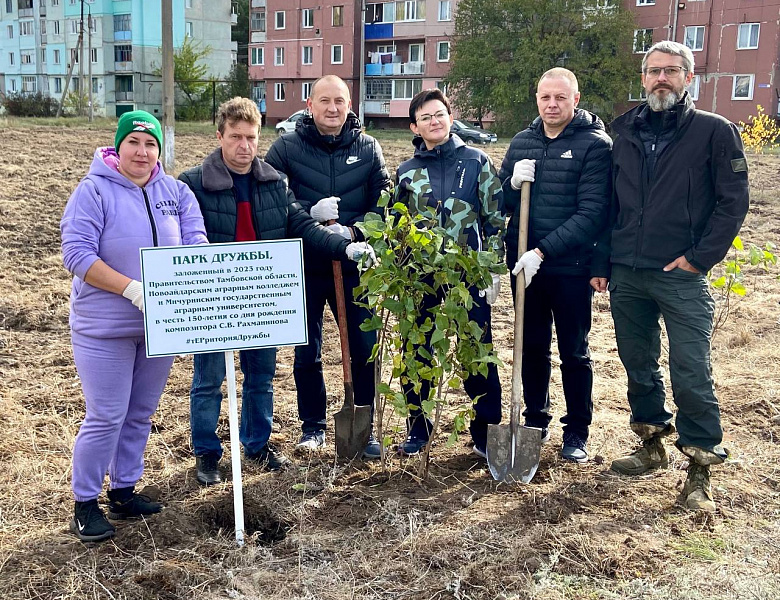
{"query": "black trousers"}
pixel 565 301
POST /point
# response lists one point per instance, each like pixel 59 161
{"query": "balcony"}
pixel 256 37
pixel 123 35
pixel 386 69
pixel 124 96
pixel 379 31
pixel 26 12
pixel 377 107
pixel 126 65
pixel 258 3
pixel 42 10
pixel 233 18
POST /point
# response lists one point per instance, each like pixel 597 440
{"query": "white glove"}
pixel 358 250
pixel 529 263
pixel 491 294
pixel 524 171
pixel 135 293
pixel 326 209
pixel 342 230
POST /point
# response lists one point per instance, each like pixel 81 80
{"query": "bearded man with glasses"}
pixel 680 194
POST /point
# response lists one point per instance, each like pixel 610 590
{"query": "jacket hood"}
pixel 446 149
pixel 349 132
pixel 583 119
pixel 216 176
pixel 624 124
pixel 105 163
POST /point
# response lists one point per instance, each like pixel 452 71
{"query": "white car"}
pixel 289 124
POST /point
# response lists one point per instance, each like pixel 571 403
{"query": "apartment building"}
pixel 38 40
pixel 293 42
pixel 735 45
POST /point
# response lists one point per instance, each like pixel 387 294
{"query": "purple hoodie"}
pixel 108 217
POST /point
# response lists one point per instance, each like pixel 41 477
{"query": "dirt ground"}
pixel 353 531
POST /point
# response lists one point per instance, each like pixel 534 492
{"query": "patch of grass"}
pixel 702 547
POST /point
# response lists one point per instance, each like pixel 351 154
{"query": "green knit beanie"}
pixel 137 120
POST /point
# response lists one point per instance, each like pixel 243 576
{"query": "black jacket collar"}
pixel 216 176
pixel 625 123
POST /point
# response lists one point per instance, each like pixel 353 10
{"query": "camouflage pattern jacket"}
pixel 460 184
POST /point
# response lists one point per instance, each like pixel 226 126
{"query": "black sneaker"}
pixel 412 446
pixel 270 458
pixel 123 506
pixel 207 469
pixel 574 448
pixel 89 524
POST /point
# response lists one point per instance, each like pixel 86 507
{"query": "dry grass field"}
pixel 354 531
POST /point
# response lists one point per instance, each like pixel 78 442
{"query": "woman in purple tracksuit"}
pixel 125 202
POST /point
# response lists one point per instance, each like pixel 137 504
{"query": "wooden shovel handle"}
pixel 517 353
pixel 341 309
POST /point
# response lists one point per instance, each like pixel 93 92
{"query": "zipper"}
pixel 151 217
pixel 332 174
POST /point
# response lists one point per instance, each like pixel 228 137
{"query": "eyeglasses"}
pixel 668 71
pixel 426 118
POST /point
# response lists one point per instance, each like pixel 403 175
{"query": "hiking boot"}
pixel 270 458
pixel 125 503
pixel 651 455
pixel 697 491
pixel 373 450
pixel 207 469
pixel 310 441
pixel 574 448
pixel 412 446
pixel 89 524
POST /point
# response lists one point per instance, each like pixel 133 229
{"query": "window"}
pixel 643 39
pixel 95 85
pixel 445 10
pixel 307 18
pixel 306 89
pixel 28 84
pixel 56 57
pixel 743 87
pixel 74 56
pixel 693 89
pixel 11 58
pixel 279 19
pixel 637 91
pixel 123 53
pixel 9 6
pixel 10 32
pixel 416 52
pixel 58 85
pixel 93 55
pixel 379 89
pixel 645 2
pixel 258 21
pixel 375 13
pixel 27 57
pixel 410 10
pixel 442 87
pixel 694 37
pixel 92 24
pixel 338 16
pixel 123 85
pixel 443 52
pixel 258 56
pixel 12 87
pixel 188 29
pixel 279 93
pixel 278 56
pixel 43 56
pixel 307 55
pixel 74 26
pixel 336 55
pixel 385 49
pixel 188 4
pixel 43 27
pixel 56 27
pixel 258 91
pixel 405 89
pixel 122 27
pixel 25 27
pixel 55 2
pixel 747 37
pixel 388 15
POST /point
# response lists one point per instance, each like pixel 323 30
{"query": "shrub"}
pixel 30 105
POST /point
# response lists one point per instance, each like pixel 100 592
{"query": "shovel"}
pixel 352 423
pixel 513 451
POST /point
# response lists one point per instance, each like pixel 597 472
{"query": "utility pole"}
pixel 81 62
pixel 168 89
pixel 89 33
pixel 362 91
pixel 67 81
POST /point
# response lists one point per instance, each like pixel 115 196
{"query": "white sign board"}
pixel 219 297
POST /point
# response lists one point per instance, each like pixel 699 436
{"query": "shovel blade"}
pixel 513 456
pixel 352 425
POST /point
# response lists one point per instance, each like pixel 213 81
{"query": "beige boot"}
pixel 651 455
pixel 697 491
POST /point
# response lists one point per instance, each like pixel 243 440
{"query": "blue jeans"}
pixel 257 400
pixel 307 368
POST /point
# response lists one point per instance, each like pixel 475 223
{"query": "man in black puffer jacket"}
pixel 566 153
pixel 338 174
pixel 244 199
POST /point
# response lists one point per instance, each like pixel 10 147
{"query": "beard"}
pixel 660 103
